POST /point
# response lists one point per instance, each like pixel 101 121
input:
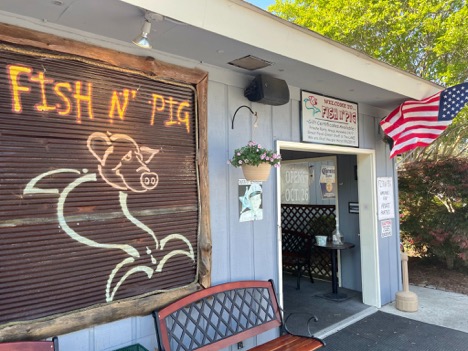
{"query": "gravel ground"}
pixel 433 275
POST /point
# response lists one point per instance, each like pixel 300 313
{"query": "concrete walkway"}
pixel 437 307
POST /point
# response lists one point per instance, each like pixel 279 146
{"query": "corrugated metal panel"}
pixel 79 223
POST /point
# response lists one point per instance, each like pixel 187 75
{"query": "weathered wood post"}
pixel 406 300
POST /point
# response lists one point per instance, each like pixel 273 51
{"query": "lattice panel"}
pixel 313 220
pixel 221 316
pixel 308 218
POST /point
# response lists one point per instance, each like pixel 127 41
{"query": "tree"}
pixel 433 208
pixel 428 38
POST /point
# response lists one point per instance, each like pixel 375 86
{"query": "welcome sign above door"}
pixel 327 120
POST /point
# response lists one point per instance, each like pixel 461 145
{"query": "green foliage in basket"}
pixel 254 154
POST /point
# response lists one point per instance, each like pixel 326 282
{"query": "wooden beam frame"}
pixel 81 319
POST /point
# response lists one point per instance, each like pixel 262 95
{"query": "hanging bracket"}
pixel 233 117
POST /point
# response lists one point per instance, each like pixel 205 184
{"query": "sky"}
pixel 261 3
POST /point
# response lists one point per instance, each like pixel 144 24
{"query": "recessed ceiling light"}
pixel 57 2
pixel 250 62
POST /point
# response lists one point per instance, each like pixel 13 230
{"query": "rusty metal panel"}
pixel 99 196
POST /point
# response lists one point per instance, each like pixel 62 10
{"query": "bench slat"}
pixel 290 342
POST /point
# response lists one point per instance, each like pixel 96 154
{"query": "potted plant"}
pixel 255 161
pixel 322 225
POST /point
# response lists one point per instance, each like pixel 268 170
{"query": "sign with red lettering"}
pixel 327 120
pixel 386 228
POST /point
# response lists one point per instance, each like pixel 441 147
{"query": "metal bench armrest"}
pixel 311 318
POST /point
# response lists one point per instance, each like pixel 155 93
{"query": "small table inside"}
pixel 335 295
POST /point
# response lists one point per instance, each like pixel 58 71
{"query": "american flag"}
pixel 419 123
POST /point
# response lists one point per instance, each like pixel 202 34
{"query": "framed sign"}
pixel 326 120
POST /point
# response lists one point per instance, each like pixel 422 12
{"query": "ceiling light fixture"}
pixel 142 39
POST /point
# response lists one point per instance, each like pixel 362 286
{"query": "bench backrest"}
pixel 30 345
pixel 218 316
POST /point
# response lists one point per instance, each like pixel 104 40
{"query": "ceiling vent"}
pixel 250 63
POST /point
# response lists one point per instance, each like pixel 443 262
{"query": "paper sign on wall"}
pixel 250 201
pixel 386 228
pixel 385 198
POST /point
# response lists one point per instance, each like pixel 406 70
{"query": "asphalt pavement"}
pixel 440 323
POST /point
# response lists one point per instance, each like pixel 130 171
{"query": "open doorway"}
pixel 365 206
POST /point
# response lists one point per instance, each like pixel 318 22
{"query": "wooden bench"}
pixel 225 315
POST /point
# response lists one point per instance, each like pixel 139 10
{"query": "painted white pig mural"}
pixel 124 166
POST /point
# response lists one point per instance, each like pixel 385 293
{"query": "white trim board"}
pixel 367 215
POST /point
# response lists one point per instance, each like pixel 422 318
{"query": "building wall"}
pixel 389 247
pixel 245 250
pixel 248 250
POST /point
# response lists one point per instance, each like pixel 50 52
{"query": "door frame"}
pixel 368 229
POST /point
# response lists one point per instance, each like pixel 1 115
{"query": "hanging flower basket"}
pixel 258 173
pixel 255 161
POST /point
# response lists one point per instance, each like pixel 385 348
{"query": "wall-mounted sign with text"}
pixel 328 182
pixel 328 121
pixel 385 198
pixel 295 178
pixel 100 163
pixel 386 228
